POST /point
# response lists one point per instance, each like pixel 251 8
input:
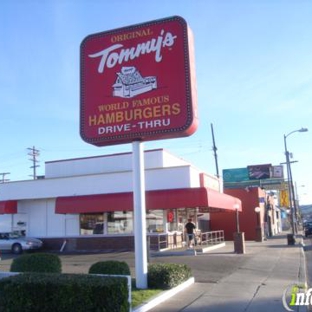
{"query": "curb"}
pixel 302 274
pixel 187 252
pixel 153 302
pixel 205 249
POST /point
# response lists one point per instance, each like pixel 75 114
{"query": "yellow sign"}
pixel 284 198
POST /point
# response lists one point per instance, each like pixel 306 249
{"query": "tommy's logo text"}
pixel 115 54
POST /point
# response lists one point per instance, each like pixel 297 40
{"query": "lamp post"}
pixel 239 237
pixel 236 207
pixel 292 204
pixel 258 225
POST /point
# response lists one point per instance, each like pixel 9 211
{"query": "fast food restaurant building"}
pixel 87 203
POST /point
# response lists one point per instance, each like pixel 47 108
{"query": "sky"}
pixel 253 70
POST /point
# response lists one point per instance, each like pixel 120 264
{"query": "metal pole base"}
pixel 239 242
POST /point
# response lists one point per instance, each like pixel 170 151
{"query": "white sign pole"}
pixel 139 209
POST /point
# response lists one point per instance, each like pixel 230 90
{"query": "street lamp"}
pixel 291 192
pixel 236 207
pixel 239 237
pixel 258 225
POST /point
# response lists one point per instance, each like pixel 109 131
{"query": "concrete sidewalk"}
pixel 253 282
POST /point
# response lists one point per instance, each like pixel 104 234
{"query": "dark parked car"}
pixel 308 230
pixel 307 224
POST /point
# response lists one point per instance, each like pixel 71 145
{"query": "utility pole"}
pixel 3 179
pixel 214 148
pixel 34 153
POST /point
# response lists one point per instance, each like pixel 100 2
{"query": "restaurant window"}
pixel 172 220
pixel 177 218
pixel 91 223
pixel 155 221
pixel 119 222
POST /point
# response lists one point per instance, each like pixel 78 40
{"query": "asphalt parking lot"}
pixel 80 263
pixel 76 263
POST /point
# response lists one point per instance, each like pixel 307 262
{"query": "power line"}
pixel 3 179
pixel 34 153
pixel 214 148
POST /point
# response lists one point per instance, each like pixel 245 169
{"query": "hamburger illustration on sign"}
pixel 138 83
pixel 130 83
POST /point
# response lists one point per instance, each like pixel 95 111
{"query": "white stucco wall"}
pixel 109 163
pixel 211 181
pixel 117 182
pixel 41 220
pixel 6 222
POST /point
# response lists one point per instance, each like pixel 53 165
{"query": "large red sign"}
pixel 138 83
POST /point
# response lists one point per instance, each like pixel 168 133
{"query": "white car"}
pixel 17 243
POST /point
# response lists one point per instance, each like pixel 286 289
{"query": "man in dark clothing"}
pixel 189 228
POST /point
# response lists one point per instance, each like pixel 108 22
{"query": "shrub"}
pixel 45 292
pixel 110 267
pixel 37 262
pixel 167 275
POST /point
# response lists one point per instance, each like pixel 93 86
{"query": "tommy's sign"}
pixel 138 83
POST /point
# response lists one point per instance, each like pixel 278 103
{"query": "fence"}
pixel 177 240
pixel 211 238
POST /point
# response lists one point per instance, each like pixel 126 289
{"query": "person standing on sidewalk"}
pixel 190 232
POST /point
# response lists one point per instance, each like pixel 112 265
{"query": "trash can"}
pixel 291 239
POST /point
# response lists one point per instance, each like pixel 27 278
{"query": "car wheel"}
pixel 17 249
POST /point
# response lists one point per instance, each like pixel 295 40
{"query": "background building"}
pixel 255 224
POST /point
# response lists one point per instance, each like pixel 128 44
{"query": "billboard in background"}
pixel 277 172
pixel 265 176
pixel 235 175
pixel 138 83
pixel 259 172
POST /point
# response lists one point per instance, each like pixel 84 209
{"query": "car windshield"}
pixel 14 235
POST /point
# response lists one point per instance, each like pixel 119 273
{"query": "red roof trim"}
pixel 8 207
pixel 158 199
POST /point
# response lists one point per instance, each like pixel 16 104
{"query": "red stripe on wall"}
pixel 8 207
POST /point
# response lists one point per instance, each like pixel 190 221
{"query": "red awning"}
pixel 207 199
pixel 8 207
